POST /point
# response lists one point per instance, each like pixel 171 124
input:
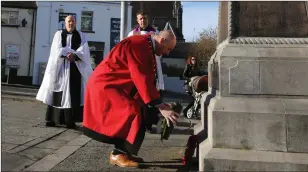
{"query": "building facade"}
pixel 18 20
pixel 99 20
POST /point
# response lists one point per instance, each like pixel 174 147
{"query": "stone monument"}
pixel 255 114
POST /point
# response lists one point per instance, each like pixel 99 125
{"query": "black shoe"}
pixel 50 124
pixel 71 126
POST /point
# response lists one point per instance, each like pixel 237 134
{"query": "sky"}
pixel 198 16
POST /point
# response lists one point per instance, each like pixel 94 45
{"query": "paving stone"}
pixel 14 162
pixel 7 146
pixel 35 153
pixel 51 144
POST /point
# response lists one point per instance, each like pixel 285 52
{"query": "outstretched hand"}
pixel 168 113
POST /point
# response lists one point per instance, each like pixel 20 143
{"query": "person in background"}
pixel 67 71
pixel 144 28
pixel 191 69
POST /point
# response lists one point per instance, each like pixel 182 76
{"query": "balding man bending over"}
pixel 118 89
pixel 67 72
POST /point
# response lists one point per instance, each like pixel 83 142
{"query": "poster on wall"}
pixel 62 16
pixel 115 24
pixel 12 54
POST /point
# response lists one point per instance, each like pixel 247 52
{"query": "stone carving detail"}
pixel 268 22
pixel 215 76
pixel 284 77
pixel 243 81
pixel 268 77
pixel 254 40
pixel 231 23
pixel 269 19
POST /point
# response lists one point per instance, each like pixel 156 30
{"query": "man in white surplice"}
pixel 67 71
pixel 144 28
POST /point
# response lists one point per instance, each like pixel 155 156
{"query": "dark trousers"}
pixel 134 149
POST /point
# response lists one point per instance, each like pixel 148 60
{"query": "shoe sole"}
pixel 116 164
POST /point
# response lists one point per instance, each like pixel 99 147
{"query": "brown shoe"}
pixel 122 160
pixel 137 159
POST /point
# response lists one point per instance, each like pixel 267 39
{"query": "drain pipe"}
pixel 123 26
pixel 31 41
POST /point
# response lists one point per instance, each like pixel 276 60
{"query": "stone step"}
pixel 218 159
pixel 264 124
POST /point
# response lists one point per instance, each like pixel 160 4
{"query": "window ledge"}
pixel 87 31
pixel 10 25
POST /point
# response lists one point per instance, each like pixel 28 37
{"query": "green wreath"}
pixel 165 130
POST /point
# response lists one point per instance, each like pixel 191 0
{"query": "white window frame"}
pixel 91 17
pixel 10 18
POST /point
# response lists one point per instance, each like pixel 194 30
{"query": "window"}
pixel 86 21
pixel 9 17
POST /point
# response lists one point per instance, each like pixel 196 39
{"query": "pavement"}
pixel 27 145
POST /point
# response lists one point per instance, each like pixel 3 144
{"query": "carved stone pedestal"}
pixel 256 112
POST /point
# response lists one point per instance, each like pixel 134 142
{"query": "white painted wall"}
pixel 47 25
pixel 19 36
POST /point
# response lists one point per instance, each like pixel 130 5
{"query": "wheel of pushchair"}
pixel 189 113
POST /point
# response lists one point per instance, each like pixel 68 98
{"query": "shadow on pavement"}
pixel 174 164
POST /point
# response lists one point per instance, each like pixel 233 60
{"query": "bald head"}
pixel 167 34
pixel 70 23
pixel 165 42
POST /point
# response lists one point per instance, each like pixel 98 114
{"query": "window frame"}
pixel 87 16
pixel 9 18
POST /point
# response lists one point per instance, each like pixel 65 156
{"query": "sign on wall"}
pixel 12 54
pixel 115 24
pixel 62 16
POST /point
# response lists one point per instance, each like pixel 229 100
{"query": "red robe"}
pixel 116 91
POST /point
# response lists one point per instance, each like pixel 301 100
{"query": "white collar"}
pixel 153 43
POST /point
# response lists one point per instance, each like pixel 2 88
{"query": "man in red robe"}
pixel 118 89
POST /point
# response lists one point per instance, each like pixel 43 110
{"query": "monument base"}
pixel 265 134
pixel 220 159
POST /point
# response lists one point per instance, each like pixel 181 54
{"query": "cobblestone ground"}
pixel 28 145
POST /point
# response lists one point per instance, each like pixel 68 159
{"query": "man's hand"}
pixel 70 57
pixel 168 113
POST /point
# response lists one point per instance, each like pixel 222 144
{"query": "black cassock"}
pixel 68 116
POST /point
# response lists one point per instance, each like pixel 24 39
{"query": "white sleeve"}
pixel 131 33
pixel 83 52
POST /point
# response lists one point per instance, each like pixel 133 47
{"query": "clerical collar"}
pixel 67 32
pixel 148 29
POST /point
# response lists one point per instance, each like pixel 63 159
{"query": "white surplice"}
pixel 57 73
pixel 160 81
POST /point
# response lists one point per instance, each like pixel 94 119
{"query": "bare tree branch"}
pixel 205 45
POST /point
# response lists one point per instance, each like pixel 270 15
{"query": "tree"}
pixel 205 46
